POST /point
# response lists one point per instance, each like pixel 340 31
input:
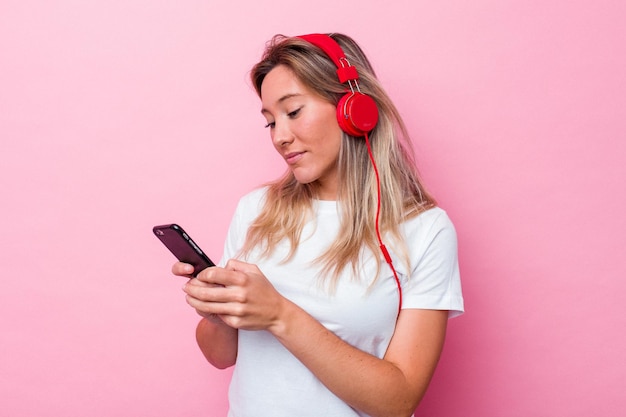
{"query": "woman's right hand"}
pixel 182 269
pixel 217 341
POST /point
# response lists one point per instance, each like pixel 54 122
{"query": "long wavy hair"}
pixel 288 204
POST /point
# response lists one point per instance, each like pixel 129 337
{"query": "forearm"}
pixel 375 386
pixel 218 343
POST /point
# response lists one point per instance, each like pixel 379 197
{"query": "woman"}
pixel 306 302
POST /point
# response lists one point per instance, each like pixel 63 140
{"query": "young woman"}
pixel 337 279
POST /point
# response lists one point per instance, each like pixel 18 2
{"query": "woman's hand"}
pixel 217 341
pixel 239 294
pixel 182 269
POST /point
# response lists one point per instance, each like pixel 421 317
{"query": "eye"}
pixel 294 113
pixel 270 125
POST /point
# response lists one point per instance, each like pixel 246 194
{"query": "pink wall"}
pixel 118 115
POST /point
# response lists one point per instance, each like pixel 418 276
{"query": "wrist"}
pixel 287 313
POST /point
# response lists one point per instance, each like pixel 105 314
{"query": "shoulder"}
pixel 430 239
pixel 248 208
pixel 428 224
pixel 253 200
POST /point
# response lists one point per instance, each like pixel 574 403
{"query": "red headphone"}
pixel 357 113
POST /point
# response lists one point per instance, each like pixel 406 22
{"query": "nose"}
pixel 281 135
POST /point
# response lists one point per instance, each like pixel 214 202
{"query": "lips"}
pixel 293 157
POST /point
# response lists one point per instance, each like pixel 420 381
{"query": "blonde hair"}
pixel 288 204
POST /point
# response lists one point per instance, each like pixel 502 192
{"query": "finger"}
pixel 182 269
pixel 214 318
pixel 236 265
pixel 213 294
pixel 200 283
pixel 223 277
pixel 210 308
pixel 209 275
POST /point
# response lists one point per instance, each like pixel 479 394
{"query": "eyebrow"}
pixel 282 99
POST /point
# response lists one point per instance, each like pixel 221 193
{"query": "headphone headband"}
pixel 345 71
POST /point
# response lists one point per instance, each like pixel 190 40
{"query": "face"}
pixel 304 129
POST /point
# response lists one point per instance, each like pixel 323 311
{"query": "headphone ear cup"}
pixel 357 114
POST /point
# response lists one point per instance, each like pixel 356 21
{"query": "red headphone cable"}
pixel 383 248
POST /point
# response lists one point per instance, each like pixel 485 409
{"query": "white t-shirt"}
pixel 268 380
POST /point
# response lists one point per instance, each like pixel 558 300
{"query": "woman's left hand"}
pixel 239 294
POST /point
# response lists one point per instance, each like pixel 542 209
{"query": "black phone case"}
pixel 182 246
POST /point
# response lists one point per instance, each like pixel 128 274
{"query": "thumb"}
pixel 236 265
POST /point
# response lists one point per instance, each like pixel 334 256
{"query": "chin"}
pixel 304 178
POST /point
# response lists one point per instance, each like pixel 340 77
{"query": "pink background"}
pixel 118 115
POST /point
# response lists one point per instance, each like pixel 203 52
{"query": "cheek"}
pixel 274 144
pixel 328 126
pixel 334 136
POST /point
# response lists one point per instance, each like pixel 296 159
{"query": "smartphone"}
pixel 182 246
